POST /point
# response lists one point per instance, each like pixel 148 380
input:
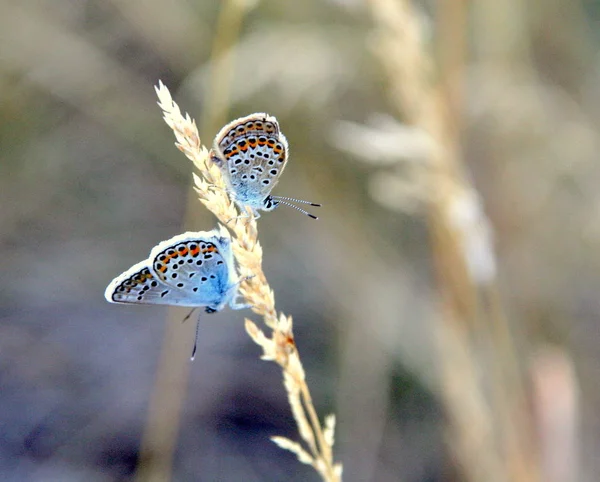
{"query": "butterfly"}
pixel 193 269
pixel 252 153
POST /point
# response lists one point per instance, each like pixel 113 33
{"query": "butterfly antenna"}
pixel 195 339
pixel 298 208
pixel 279 198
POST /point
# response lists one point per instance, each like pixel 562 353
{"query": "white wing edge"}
pixel 136 268
pixel 239 120
pixel 216 236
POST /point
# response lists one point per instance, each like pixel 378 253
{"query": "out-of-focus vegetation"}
pixel 90 182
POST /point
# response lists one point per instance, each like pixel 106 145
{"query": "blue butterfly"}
pixel 252 153
pixel 193 269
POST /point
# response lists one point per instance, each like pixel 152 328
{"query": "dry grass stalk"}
pixel 278 345
pixel 490 425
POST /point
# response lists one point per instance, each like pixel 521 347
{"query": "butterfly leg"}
pixel 247 213
pixel 234 304
pixel 241 216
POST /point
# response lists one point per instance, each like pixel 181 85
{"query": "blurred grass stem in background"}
pixel 162 427
pixel 489 432
pixel 222 64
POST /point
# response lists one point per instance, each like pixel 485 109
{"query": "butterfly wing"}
pixel 197 264
pixel 258 123
pixel 252 153
pixel 140 285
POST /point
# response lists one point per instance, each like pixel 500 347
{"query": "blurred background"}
pixel 447 312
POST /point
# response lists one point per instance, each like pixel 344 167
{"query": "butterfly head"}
pixel 269 203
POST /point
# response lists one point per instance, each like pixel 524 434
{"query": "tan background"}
pixel 90 182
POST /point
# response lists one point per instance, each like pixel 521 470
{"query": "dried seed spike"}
pixel 329 431
pixel 295 448
pixel 248 252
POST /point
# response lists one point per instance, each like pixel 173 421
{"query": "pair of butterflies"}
pixel 196 269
